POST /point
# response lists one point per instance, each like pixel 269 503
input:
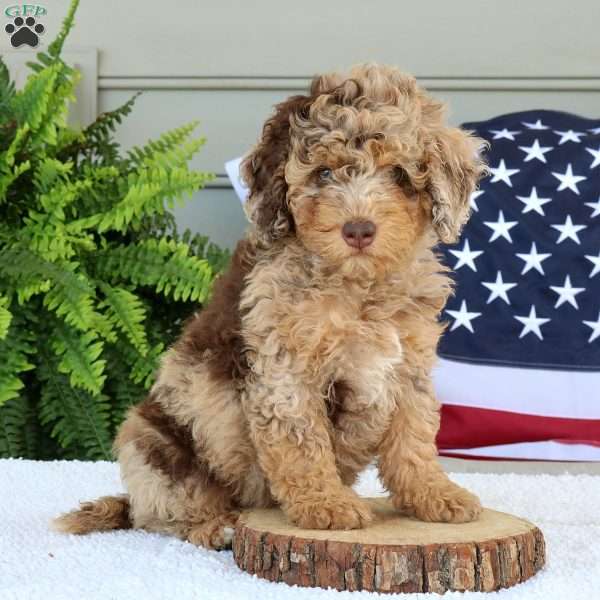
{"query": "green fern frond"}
pixel 7 86
pixel 16 349
pixel 68 291
pixel 57 113
pixel 55 48
pixel 95 143
pixel 150 191
pixel 95 281
pixel 143 368
pixel 171 140
pixel 40 108
pixel 180 156
pixel 7 92
pixel 79 357
pixel 126 312
pixel 50 170
pixel 75 416
pixel 9 173
pixel 32 102
pixel 5 316
pixel 18 433
pixel 217 258
pixel 162 264
pixel 106 123
pixel 43 102
pixel 70 297
pixel 46 233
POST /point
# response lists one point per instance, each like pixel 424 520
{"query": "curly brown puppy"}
pixel 314 354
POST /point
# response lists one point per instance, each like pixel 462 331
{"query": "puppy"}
pixel 313 357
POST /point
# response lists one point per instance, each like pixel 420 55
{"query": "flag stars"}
pixel 500 228
pixel 596 155
pixel 595 206
pixel 568 231
pixel 533 260
pixel 535 151
pixel 472 199
pixel 595 325
pixel 532 323
pixel 533 202
pixel 594 131
pixel 595 260
pixel 462 317
pixel 504 134
pixel 501 173
pixel 568 180
pixel 566 293
pixel 569 136
pixel 498 289
pixel 466 256
pixel 537 125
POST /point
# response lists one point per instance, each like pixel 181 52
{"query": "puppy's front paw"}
pixel 445 502
pixel 332 511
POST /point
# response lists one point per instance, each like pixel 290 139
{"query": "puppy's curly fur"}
pixel 314 355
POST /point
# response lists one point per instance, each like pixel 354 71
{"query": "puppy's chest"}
pixel 341 333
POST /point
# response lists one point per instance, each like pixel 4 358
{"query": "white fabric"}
pixel 533 451
pixel 545 393
pixel 232 168
pixel 36 563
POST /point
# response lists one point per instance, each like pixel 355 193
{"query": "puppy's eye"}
pixel 324 174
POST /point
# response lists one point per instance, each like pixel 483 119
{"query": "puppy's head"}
pixel 361 170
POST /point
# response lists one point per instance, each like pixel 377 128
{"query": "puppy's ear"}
pixel 263 171
pixel 454 165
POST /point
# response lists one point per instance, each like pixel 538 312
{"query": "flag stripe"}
pixel 549 450
pixel 561 394
pixel 467 427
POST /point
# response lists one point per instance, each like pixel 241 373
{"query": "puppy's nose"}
pixel 359 234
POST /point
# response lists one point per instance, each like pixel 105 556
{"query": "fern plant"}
pixel 95 279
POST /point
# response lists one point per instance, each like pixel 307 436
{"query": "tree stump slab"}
pixel 394 554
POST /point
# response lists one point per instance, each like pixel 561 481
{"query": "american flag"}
pixel 519 367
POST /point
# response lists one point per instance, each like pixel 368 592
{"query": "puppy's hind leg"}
pixel 208 520
pixel 171 487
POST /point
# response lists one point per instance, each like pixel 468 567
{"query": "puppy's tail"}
pixel 104 514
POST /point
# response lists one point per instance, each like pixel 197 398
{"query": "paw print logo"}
pixel 24 31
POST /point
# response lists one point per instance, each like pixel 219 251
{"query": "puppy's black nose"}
pixel 359 234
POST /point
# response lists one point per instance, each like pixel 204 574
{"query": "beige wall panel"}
pixel 463 38
pixel 214 212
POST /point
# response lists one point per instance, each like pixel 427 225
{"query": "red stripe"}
pixel 467 427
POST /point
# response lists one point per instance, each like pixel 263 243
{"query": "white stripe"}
pixel 545 393
pixel 534 451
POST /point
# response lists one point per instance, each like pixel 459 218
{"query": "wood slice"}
pixel 394 554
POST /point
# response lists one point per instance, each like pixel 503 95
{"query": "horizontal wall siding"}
pixel 271 38
pixel 231 119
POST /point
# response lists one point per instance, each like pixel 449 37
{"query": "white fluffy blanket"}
pixel 36 563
